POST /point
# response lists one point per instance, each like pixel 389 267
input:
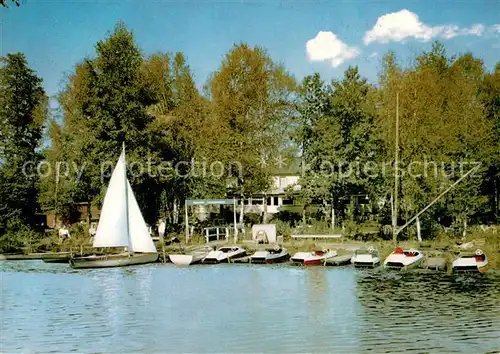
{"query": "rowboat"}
pixel 365 258
pixel 403 259
pixel 193 256
pixel 121 224
pixel 270 255
pixel 316 257
pixel 224 254
pixel 471 262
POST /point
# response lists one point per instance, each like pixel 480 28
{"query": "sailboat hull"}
pixel 114 260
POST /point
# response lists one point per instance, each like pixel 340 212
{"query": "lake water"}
pixel 241 308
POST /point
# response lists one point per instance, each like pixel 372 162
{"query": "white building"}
pixel 275 197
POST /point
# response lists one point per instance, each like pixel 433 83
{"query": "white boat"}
pixel 313 258
pixel 270 255
pixel 121 225
pixel 403 259
pixel 471 262
pixel 224 254
pixel 192 256
pixel 365 258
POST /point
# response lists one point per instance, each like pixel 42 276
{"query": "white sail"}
pixel 112 229
pixel 140 238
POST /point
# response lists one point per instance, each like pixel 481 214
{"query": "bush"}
pixel 283 229
pixel 252 218
pixel 23 240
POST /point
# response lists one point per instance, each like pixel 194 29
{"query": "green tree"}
pixel 23 111
pixel 336 137
pixel 490 96
pixel 251 101
pixel 105 104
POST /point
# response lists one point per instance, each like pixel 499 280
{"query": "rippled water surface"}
pixel 241 308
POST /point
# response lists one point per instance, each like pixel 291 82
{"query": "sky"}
pixel 305 36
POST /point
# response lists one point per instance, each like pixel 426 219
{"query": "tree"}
pixel 250 97
pixel 184 131
pixel 23 111
pixel 441 124
pixel 105 104
pixel 490 97
pixel 336 137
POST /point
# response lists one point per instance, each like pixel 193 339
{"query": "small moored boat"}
pixel 313 258
pixel 192 256
pixel 365 258
pixel 121 224
pixel 471 262
pixel 224 254
pixel 270 255
pixel 340 260
pixel 403 259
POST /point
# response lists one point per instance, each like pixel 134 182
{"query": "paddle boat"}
pixel 471 262
pixel 193 256
pixel 224 254
pixel 403 259
pixel 270 255
pixel 366 258
pixel 316 257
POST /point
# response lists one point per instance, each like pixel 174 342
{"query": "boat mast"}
pixel 126 198
pixel 395 206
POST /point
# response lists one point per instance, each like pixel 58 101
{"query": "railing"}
pixel 335 236
pixel 215 231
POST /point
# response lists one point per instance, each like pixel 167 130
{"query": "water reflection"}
pixel 238 308
pixel 429 312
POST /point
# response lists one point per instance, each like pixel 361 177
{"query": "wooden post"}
pixel 234 217
pixel 419 236
pixel 162 240
pixel 186 221
pixel 333 217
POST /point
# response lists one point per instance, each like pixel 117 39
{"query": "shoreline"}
pixel 448 252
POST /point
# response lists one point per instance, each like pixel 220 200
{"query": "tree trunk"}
pixel 333 217
pixel 419 236
pixel 264 217
pixel 175 213
pixel 242 210
pixel 464 233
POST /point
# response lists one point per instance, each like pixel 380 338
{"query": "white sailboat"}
pixel 121 225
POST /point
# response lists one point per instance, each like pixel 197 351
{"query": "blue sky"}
pixel 306 36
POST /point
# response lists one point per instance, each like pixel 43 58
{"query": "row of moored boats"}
pixel 362 258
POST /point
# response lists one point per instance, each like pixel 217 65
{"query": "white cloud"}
pixel 374 55
pixel 327 47
pixel 495 28
pixel 404 24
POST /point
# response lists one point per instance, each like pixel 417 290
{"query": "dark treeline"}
pixel 251 109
